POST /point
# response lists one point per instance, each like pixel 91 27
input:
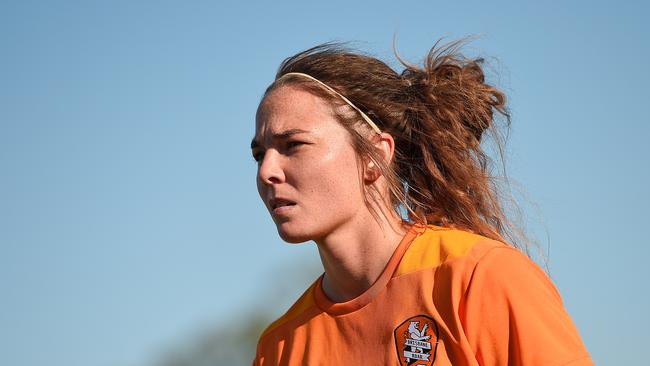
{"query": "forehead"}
pixel 289 107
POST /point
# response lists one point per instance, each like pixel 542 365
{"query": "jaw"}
pixel 292 237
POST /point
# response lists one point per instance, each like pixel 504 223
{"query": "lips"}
pixel 280 205
pixel 277 203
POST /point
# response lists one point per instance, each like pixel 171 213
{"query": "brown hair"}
pixel 437 115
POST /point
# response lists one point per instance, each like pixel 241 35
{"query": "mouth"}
pixel 280 205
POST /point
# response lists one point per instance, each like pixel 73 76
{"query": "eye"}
pixel 293 144
pixel 258 156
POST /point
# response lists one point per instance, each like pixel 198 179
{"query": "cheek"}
pixel 335 179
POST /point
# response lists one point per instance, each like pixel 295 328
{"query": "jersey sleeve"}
pixel 513 315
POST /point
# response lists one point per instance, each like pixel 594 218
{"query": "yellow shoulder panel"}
pixel 435 246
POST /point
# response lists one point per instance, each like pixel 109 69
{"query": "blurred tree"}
pixel 234 342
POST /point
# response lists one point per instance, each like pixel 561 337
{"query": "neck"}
pixel 355 256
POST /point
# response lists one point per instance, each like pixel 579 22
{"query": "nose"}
pixel 270 169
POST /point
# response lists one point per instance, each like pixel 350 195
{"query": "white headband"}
pixel 363 115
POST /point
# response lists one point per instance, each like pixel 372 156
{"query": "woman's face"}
pixel 308 175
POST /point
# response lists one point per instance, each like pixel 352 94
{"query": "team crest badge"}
pixel 416 340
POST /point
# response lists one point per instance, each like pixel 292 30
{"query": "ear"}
pixel 385 146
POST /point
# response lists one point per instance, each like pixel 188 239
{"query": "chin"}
pixel 293 235
pixel 293 238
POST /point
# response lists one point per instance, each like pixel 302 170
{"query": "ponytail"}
pixel 451 109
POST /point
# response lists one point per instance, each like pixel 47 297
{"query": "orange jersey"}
pixel 446 297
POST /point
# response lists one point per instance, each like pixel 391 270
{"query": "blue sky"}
pixel 129 218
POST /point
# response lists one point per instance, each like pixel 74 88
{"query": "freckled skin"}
pixel 322 175
pixel 317 168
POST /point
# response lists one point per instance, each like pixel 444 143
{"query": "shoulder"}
pixel 509 272
pixel 272 339
pixel 301 307
pixel 437 246
pixel 526 321
pixel 475 261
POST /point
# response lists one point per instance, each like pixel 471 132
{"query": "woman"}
pixel 385 173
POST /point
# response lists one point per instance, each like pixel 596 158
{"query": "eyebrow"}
pixel 279 136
